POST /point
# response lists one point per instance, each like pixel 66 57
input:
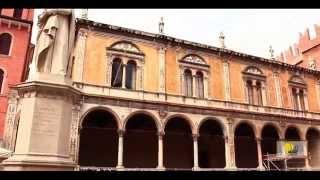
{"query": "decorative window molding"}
pixel 298 92
pixel 199 71
pixel 131 59
pixel 255 83
pixel 125 47
pixel 194 59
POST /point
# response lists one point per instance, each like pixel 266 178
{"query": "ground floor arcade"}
pixel 119 137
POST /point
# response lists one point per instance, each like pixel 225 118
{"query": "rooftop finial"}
pixel 161 26
pixel 84 14
pixel 271 51
pixel 221 39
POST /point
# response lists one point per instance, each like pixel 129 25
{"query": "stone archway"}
pixel 293 134
pixel 313 140
pixel 246 154
pixel 178 144
pixel 269 138
pixel 211 145
pixel 140 148
pixel 98 139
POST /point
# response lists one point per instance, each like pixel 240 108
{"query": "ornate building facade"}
pixel 153 102
pixel 15 36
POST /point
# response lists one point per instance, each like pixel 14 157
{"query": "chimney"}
pixel 84 13
pixel 161 26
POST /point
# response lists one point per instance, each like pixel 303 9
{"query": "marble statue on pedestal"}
pixel 55 42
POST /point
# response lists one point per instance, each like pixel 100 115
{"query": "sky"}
pixel 250 31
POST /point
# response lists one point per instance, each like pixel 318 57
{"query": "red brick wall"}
pixel 13 65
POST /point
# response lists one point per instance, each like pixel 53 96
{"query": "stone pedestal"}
pixel 43 138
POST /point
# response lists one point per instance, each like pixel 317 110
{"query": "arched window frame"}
pixel 19 16
pixel 126 51
pixel 258 82
pixel 11 43
pixel 298 92
pixel 2 85
pixel 194 63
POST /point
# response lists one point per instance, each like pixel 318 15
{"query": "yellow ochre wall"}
pixel 95 72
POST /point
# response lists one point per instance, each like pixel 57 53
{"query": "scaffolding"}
pixel 286 150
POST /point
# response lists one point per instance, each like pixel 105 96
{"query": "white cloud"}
pixel 246 30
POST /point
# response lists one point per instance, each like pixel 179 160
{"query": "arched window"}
pixel 5 43
pixel 17 13
pixel 188 82
pixel 199 84
pixel 131 75
pixel 250 91
pixel 116 79
pixel 1 79
pixel 255 81
pixel 298 93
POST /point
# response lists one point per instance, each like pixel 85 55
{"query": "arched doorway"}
pixel 246 153
pixel 313 138
pixel 178 144
pixel 292 134
pixel 140 142
pixel 269 138
pixel 98 140
pixel 211 145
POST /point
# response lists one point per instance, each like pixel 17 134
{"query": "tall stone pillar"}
pixel 120 150
pixel 230 150
pixel 195 152
pixel 260 161
pixel 47 99
pixel 160 151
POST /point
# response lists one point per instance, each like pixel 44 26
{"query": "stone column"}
pixel 305 98
pixel 124 76
pixel 227 152
pixel 120 149
pixel 162 70
pixel 260 166
pixel 298 99
pixel 195 152
pixel 79 54
pixel 263 93
pixel 278 89
pixel 226 80
pixel 194 90
pixel 205 87
pixel 160 151
pixel 230 150
pixel 305 149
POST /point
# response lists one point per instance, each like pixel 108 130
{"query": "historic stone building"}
pixel 149 101
pixel 15 35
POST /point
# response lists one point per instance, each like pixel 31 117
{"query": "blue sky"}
pixel 250 31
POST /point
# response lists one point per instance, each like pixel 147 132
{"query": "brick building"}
pixel 15 36
pixel 306 52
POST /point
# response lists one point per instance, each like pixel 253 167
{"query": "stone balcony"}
pixel 97 90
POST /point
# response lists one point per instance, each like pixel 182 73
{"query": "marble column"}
pixel 160 150
pixel 230 150
pixel 124 76
pixel 194 88
pixel 298 99
pixel 260 166
pixel 195 152
pixel 120 149
pixel 263 93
